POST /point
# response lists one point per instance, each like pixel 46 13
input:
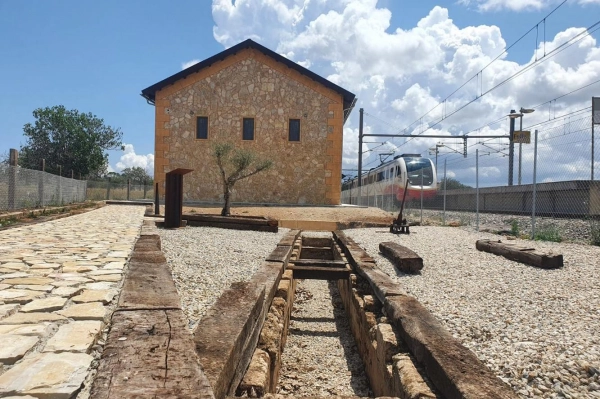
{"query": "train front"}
pixel 422 179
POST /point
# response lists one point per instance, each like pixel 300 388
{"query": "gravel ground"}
pixel 320 356
pixel 571 230
pixel 205 261
pixel 536 329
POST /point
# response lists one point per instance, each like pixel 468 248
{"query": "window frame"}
pixel 253 128
pixel 207 129
pixel 290 130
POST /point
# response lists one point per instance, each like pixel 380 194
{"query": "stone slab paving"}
pixel 58 284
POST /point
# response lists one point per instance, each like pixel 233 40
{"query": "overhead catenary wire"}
pixel 490 63
pixel 548 55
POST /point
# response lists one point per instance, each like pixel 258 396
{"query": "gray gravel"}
pixel 205 261
pixel 536 329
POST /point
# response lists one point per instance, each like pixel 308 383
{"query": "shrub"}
pixel 548 233
pixel 514 228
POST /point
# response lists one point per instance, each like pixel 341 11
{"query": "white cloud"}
pixel 514 5
pixel 187 64
pixel 400 75
pixel 517 5
pixel 130 159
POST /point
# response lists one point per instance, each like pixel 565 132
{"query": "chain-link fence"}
pixel 110 190
pixel 24 188
pixel 552 195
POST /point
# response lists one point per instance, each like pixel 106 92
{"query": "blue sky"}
pixel 98 56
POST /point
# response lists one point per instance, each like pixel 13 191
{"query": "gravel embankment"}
pixel 205 261
pixel 536 329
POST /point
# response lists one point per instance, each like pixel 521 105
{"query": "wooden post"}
pixel 72 174
pixel 12 177
pixel 128 188
pixel 145 189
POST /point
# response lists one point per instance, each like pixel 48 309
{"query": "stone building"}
pixel 254 98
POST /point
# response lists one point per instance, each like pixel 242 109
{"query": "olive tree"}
pixel 236 164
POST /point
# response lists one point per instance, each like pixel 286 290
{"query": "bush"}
pixel 514 228
pixel 548 233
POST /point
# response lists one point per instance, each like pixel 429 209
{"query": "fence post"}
pixel 12 177
pixel 145 189
pixel 128 188
pixel 421 196
pixel 108 189
pixel 60 185
pixel 477 189
pixel 534 185
pixel 445 182
pixel 41 182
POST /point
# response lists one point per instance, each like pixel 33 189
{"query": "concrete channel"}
pixel 237 347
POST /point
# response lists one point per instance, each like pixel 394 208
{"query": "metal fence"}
pixel 24 188
pixel 107 190
pixel 553 195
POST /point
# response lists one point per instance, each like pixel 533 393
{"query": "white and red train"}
pixel 387 181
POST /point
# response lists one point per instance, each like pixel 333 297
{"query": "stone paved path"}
pixel 58 282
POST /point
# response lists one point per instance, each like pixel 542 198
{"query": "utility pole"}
pixel 511 149
pixel 360 143
pixel 520 150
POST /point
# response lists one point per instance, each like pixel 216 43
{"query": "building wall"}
pixel 252 85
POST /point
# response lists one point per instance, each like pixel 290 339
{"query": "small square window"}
pixel 248 129
pixel 294 133
pixel 202 127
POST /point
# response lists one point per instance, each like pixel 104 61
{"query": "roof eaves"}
pixel 349 98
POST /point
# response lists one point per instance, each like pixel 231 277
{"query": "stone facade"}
pixel 250 84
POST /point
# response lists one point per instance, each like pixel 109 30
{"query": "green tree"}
pixel 236 164
pixel 452 184
pixel 76 141
pixel 137 175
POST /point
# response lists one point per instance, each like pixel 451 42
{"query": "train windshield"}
pixel 419 170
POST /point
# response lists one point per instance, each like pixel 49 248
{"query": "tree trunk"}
pixel 227 197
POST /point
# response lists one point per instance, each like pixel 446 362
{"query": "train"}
pixel 387 181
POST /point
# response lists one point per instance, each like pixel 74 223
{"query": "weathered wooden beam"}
pixel 403 258
pixel 316 242
pixel 250 220
pixel 319 273
pixel 147 354
pixel 223 333
pixel 454 370
pixel 289 238
pixel 318 262
pixel 527 255
pixel 281 253
pixel 149 351
pixel 241 225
